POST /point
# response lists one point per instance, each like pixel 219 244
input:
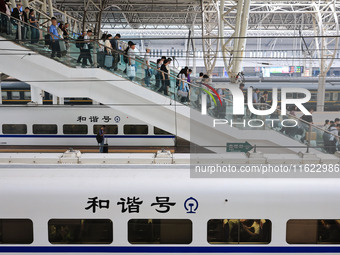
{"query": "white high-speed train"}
pixel 149 209
pixel 67 125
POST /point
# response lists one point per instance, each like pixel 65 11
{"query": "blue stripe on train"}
pixel 168 249
pixel 87 136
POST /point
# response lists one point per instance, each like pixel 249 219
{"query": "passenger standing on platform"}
pixel 101 133
pixel 146 67
pixel 264 97
pixel 256 96
pixel 165 78
pixel 34 27
pixel 54 38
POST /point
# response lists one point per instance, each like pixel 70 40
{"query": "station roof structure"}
pixel 181 14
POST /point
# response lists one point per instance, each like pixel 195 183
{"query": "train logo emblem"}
pixel 191 205
pixel 117 119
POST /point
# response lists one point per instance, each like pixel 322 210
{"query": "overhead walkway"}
pixel 61 77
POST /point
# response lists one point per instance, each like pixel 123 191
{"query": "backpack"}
pixel 99 138
pixel 80 42
pixel 125 57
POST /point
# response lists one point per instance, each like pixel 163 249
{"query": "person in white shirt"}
pixel 101 51
pixel 86 49
pixel 146 66
pixel 132 54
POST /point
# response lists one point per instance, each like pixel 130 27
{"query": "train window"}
pixel 80 231
pixel 160 231
pixel 4 95
pixel 75 129
pixel 239 231
pixel 301 95
pixel 109 129
pixel 313 232
pixel 44 129
pixel 16 231
pixel 327 96
pixel 335 96
pixel 158 131
pixel 14 129
pixel 313 98
pixel 27 95
pixel 15 95
pixel 136 129
pixel 289 95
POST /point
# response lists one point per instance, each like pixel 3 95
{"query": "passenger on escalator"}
pixel 132 54
pixel 25 16
pixel 146 67
pixel 165 78
pixel 16 14
pixel 333 139
pixel 87 46
pixel 101 51
pixel 158 75
pixel 54 38
pixel 80 45
pixel 34 27
pixel 183 90
pixel 115 51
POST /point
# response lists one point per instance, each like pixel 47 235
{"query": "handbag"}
pixel 62 45
pixel 131 71
pixel 182 93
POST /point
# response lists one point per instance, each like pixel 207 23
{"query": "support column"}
pixel 233 48
pixel 0 89
pixel 25 4
pixel 61 100
pixel 36 95
pixel 50 8
pixel 191 50
pixel 210 27
pixel 325 22
pixel 54 99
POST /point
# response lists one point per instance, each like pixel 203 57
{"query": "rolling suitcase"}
pixel 108 61
pixel 106 147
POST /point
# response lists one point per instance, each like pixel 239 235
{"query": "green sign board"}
pixel 239 147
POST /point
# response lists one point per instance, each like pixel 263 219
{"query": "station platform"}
pixel 164 157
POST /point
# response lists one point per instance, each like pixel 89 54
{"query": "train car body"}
pixel 161 210
pixel 332 95
pixel 17 92
pixel 75 126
